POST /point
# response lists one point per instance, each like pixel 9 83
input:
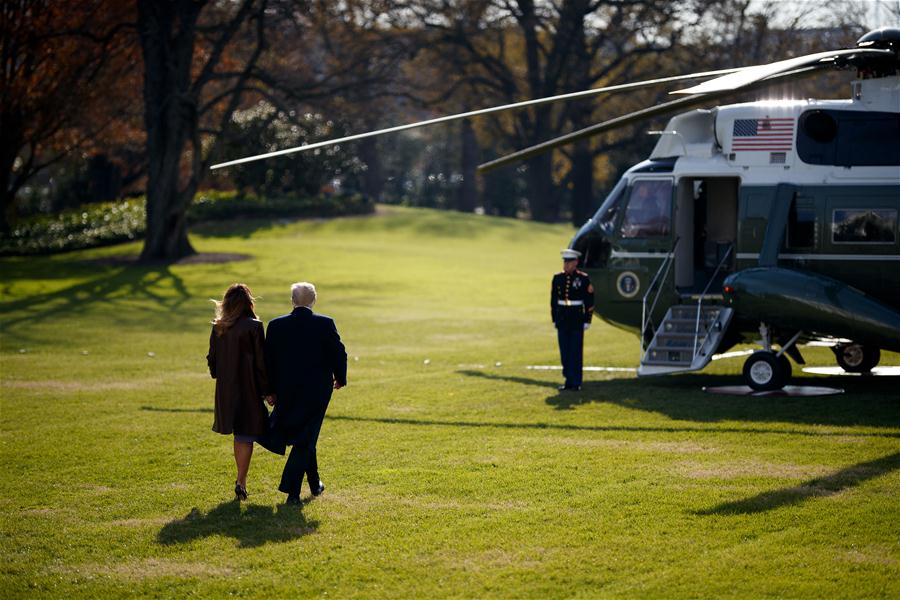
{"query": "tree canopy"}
pixel 161 90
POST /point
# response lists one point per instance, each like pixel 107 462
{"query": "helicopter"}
pixel 769 222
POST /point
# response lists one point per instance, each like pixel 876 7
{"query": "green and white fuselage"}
pixel 783 212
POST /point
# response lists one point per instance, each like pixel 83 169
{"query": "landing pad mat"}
pixel 788 390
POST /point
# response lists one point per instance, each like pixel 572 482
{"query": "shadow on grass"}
pixel 871 401
pixel 255 525
pixel 242 228
pixel 610 428
pixel 176 410
pixel 119 284
pixel 814 488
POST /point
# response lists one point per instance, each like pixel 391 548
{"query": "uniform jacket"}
pixel 236 361
pixel 571 300
pixel 305 355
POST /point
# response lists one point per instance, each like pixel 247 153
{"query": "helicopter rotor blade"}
pixel 475 113
pixel 628 119
pixel 749 75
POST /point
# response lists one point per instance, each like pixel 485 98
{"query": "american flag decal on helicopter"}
pixel 766 135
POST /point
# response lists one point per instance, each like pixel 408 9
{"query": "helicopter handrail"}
pixel 645 314
pixel 703 295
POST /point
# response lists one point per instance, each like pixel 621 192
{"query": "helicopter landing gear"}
pixel 767 370
pixel 856 358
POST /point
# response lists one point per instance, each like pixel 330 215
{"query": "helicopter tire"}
pixel 785 368
pixel 856 358
pixel 764 371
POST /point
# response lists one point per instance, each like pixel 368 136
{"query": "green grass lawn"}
pixel 451 468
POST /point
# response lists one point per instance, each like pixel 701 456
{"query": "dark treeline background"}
pixel 104 98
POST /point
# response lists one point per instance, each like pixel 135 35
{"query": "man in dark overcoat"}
pixel 306 360
pixel 571 308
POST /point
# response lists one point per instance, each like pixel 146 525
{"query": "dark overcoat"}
pixel 305 356
pixel 237 362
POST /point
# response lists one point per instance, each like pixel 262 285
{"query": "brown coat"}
pixel 237 363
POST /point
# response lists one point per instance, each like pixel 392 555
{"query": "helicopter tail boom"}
pixel 802 300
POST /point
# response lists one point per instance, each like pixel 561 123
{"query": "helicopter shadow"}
pixel 818 487
pixel 872 401
pixel 252 526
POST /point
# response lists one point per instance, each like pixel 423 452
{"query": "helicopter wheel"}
pixel 765 371
pixel 856 358
pixel 785 368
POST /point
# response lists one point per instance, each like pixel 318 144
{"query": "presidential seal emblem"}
pixel 628 284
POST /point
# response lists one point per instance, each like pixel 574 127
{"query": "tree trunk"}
pixel 582 183
pixel 8 198
pixel 170 115
pixel 542 197
pixel 10 142
pixel 467 197
pixel 373 177
pixel 582 157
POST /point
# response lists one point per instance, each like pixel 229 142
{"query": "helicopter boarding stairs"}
pixel 689 333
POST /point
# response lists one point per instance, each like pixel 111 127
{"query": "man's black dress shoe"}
pixel 317 491
pixel 293 499
pixel 569 388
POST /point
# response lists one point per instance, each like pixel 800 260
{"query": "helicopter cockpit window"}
pixel 609 210
pixel 866 226
pixel 649 209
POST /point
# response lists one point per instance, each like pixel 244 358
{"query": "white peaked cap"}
pixel 570 254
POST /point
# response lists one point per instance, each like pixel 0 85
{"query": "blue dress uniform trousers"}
pixel 571 346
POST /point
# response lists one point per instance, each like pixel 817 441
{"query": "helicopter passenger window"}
pixel 849 138
pixel 867 226
pixel 649 209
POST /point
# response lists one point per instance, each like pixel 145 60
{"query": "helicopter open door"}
pixel 706 210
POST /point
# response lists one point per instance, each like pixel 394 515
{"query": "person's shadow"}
pixel 255 525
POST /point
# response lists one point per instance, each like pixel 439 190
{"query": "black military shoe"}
pixel 293 499
pixel 569 388
pixel 317 491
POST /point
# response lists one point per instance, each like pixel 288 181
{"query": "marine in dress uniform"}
pixel 571 308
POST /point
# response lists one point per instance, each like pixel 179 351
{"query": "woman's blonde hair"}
pixel 236 303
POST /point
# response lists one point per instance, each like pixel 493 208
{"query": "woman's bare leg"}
pixel 242 453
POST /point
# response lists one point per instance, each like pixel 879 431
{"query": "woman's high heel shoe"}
pixel 240 492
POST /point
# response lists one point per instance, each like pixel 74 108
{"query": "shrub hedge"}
pixel 105 223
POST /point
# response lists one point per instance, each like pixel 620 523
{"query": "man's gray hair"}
pixel 303 294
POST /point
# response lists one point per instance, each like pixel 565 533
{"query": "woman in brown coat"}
pixel 237 363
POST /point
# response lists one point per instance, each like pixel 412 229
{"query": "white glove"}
pixel 587 326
